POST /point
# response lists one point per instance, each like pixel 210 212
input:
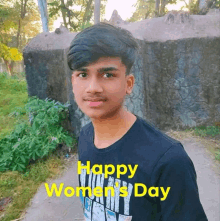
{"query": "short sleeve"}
pixel 176 170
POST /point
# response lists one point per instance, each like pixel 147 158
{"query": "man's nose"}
pixel 94 86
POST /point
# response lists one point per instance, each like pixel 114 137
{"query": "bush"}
pixel 36 139
pixel 209 130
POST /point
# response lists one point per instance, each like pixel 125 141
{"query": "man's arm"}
pixel 176 170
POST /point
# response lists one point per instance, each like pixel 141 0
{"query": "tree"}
pixel 7 23
pixel 9 54
pixel 20 14
pixel 200 7
pixel 149 9
pixel 157 8
pixel 19 22
pixel 76 14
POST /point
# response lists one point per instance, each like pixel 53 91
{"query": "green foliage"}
pixel 7 22
pixel 4 52
pixel 10 54
pixel 77 14
pixel 20 21
pixel 205 131
pixel 13 93
pixel 146 9
pixel 193 7
pixel 217 155
pixel 29 142
pixel 21 186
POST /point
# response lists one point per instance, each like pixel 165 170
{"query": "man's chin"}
pixel 101 114
pixel 97 116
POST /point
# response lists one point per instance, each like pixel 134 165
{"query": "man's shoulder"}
pixel 150 132
pixel 154 143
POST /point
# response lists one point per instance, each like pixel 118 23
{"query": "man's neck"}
pixel 108 131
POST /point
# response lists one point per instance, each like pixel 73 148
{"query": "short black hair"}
pixel 102 40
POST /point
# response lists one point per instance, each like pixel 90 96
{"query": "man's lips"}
pixel 95 104
pixel 95 99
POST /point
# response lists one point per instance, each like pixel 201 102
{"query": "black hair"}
pixel 102 40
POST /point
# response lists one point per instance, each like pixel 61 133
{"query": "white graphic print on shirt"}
pixel 94 210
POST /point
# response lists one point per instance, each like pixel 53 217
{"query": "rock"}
pixel 177 17
pixel 214 11
pixel 116 19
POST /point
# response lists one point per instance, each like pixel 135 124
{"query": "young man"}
pixel 150 174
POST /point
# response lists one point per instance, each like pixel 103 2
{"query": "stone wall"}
pixel 182 82
pixel 177 71
pixel 46 76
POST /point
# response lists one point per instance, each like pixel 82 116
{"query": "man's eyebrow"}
pixel 107 69
pixel 100 69
pixel 81 69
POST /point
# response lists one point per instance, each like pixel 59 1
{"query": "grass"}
pixel 13 93
pixel 211 134
pixel 20 187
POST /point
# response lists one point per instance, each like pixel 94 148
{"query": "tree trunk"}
pixel 162 7
pixel 7 66
pixel 63 13
pixel 157 5
pixel 22 16
pixel 97 11
pixel 12 67
pixel 42 4
pixel 18 33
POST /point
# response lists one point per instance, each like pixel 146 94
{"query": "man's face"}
pixel 100 87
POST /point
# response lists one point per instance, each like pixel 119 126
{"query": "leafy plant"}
pixel 209 130
pixel 217 155
pixel 77 14
pixel 29 142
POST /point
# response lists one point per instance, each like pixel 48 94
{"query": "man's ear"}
pixel 130 83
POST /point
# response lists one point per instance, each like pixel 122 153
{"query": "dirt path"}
pixel 46 208
pixel 208 177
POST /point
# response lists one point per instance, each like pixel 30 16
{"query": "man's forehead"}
pixel 104 64
pixel 102 68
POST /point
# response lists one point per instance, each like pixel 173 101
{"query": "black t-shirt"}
pixel 162 163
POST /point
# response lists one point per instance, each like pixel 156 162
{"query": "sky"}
pixel 125 9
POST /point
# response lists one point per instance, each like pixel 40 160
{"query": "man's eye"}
pixel 108 75
pixel 83 75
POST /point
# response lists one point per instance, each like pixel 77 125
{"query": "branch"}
pixel 186 4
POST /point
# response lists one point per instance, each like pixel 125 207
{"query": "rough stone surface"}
pixel 57 40
pixel 157 29
pixel 177 71
pixel 182 82
pixel 116 19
